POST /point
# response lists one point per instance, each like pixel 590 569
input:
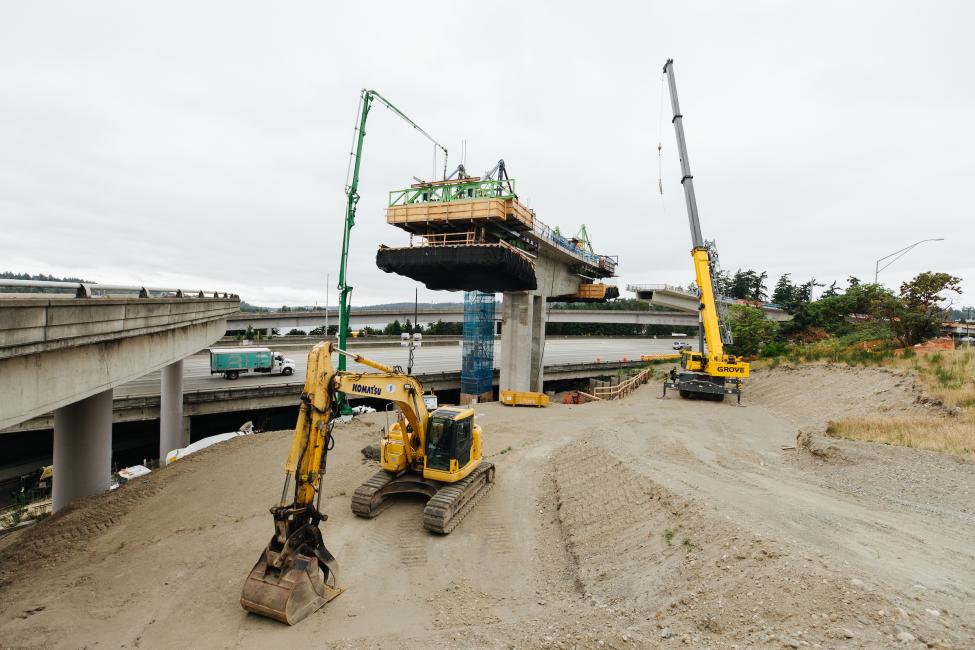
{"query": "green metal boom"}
pixel 352 196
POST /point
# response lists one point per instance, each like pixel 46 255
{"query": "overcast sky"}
pixel 205 144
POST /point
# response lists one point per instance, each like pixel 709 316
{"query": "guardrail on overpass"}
pixel 65 346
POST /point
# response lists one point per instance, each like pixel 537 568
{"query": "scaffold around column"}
pixel 477 364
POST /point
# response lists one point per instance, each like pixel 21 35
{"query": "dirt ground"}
pixel 642 523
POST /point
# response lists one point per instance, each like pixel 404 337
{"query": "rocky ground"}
pixel 643 523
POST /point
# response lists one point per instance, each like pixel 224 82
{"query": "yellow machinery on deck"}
pixel 708 373
pixel 434 454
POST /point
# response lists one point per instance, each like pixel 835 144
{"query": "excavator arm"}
pixel 402 390
pixel 296 574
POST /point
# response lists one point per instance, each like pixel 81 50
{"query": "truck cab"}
pixel 282 364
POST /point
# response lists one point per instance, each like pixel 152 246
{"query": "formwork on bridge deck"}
pixel 476 235
pixel 477 363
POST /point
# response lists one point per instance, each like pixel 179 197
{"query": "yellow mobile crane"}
pixel 436 454
pixel 708 373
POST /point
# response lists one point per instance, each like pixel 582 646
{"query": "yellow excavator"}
pixel 435 454
pixel 708 373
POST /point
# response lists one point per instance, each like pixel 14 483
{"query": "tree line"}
pixel 908 316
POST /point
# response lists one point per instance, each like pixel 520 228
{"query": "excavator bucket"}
pixel 301 586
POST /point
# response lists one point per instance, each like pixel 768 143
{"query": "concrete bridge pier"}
pixel 517 318
pixel 82 448
pixel 539 312
pixel 171 423
pixel 523 317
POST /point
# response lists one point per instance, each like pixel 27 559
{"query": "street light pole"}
pixel 901 253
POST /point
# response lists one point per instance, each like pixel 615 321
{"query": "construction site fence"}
pixel 624 387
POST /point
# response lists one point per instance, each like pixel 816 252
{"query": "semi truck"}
pixel 230 362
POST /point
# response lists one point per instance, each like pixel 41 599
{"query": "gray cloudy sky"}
pixel 206 144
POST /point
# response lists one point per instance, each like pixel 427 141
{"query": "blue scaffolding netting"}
pixel 477 365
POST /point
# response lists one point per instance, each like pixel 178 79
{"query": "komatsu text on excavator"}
pixel 708 373
pixel 436 454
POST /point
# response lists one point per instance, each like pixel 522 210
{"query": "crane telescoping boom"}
pixel 702 374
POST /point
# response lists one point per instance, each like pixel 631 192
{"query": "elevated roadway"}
pixel 670 297
pixel 438 368
pixel 379 317
pixel 66 354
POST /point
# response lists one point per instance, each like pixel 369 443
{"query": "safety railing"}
pixel 625 387
pixel 659 287
pixel 453 191
pixel 91 290
pixel 525 254
pixel 449 239
pixel 542 231
pixel 468 238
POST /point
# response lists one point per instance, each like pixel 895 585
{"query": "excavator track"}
pixel 452 502
pixel 448 504
pixel 369 500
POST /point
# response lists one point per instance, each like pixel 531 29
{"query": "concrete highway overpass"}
pixel 437 367
pixel 64 355
pixel 670 297
pixel 379 317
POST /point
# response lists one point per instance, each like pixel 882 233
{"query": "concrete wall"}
pixel 55 351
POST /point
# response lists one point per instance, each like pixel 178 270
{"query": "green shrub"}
pixel 775 349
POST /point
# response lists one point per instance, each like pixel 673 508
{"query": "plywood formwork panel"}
pixel 491 209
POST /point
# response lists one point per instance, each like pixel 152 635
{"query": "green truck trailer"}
pixel 230 362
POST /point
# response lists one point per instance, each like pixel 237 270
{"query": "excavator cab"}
pixel 450 437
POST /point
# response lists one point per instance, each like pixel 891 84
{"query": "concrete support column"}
pixel 82 448
pixel 539 314
pixel 516 341
pixel 187 430
pixel 171 409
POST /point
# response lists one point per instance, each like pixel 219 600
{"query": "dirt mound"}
pixel 813 394
pixel 643 553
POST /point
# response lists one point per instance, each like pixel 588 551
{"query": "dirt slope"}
pixel 646 523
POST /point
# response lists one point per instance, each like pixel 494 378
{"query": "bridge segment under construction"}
pixel 472 233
